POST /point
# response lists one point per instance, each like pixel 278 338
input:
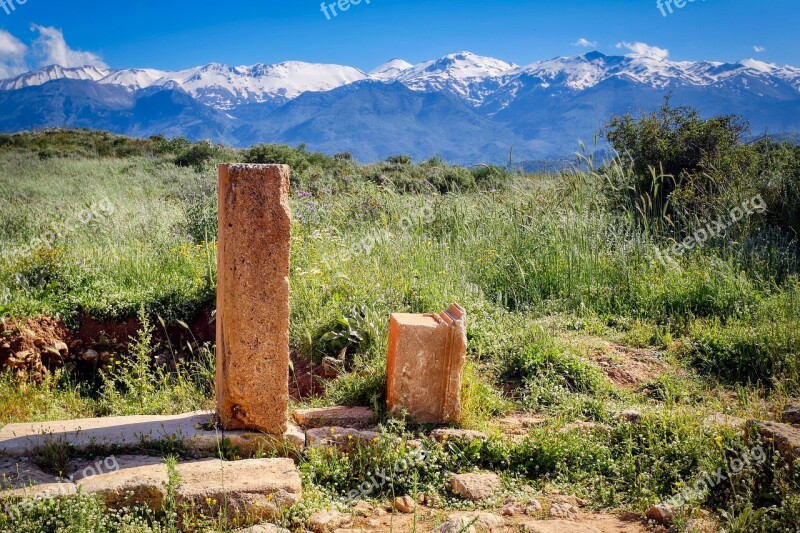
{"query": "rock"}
pixel 339 437
pixel 559 526
pixel 785 437
pixel 257 489
pixel 533 508
pixel 45 490
pixel 564 510
pixel 791 413
pixel 458 435
pixel 19 474
pixel 362 508
pixel 404 504
pixel 263 528
pixel 253 297
pixel 90 356
pixel 509 509
pixel 631 415
pixel 476 487
pixel 472 523
pixel 661 514
pixel 192 430
pixel 349 417
pixel 425 364
pixel 325 521
pixel 62 348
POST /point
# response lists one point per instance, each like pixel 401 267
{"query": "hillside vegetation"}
pixel 665 281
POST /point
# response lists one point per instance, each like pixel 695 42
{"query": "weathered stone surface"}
pixel 324 521
pixel 785 437
pixel 476 487
pixel 257 488
pixel 564 510
pixel 16 474
pixel 458 435
pixel 472 523
pixel 559 526
pixel 263 528
pixel 342 438
pixel 404 504
pixel 349 417
pixel 791 413
pixel 46 490
pixel 18 440
pixel 661 514
pixel 253 297
pixel 425 365
pixel 533 508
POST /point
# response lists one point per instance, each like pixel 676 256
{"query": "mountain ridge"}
pixel 543 109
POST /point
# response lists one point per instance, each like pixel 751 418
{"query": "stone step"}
pixel 350 417
pixel 253 489
pixel 191 430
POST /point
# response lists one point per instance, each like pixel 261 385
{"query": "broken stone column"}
pixel 425 365
pixel 253 297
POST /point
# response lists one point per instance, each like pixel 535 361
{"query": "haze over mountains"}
pixel 463 107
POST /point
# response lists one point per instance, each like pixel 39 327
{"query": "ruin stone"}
pixel 253 297
pixel 425 365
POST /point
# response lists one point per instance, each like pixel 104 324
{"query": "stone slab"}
pixel 338 437
pixel 476 487
pixel 257 489
pixel 350 417
pixel 134 432
pixel 253 254
pixel 425 363
pixel 785 438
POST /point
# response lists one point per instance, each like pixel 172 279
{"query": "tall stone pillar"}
pixel 425 365
pixel 253 297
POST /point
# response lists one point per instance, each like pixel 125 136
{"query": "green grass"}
pixel 540 262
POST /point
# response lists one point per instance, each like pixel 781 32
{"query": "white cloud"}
pixel 585 43
pixel 12 55
pixel 644 50
pixel 759 49
pixel 50 48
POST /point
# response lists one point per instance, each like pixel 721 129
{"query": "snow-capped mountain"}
pixel 464 75
pixel 52 73
pixel 390 70
pixel 218 85
pixel 543 109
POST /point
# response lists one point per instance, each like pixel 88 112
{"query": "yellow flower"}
pixel 269 497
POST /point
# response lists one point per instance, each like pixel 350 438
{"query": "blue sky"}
pixel 174 34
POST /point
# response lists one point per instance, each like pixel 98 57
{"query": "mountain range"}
pixel 466 108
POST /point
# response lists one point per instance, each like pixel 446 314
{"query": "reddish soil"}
pixel 32 347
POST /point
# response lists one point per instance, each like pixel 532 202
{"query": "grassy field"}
pixel 573 314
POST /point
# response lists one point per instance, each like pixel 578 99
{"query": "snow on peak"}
pixel 391 69
pixel 760 66
pixel 51 73
pixel 462 74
